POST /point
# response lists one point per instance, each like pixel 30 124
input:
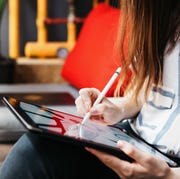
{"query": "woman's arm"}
pixel 128 107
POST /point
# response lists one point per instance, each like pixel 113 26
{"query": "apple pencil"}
pixel 101 96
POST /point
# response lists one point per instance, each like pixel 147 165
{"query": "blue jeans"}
pixel 37 157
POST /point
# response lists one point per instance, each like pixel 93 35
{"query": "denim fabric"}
pixel 37 157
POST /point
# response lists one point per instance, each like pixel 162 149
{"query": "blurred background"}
pixel 39 29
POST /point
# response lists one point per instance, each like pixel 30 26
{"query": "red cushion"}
pixel 94 57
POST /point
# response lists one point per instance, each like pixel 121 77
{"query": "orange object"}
pixel 13 28
pixel 43 48
pixel 41 16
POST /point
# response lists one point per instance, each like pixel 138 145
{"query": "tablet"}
pixel 66 127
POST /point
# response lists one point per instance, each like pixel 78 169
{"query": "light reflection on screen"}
pixel 65 124
pixel 50 119
pixel 69 125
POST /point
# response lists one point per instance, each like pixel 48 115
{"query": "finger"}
pixel 121 167
pixel 89 95
pixel 102 107
pixel 108 110
pixel 85 95
pixel 98 109
pixel 143 158
pixel 85 100
pixel 80 107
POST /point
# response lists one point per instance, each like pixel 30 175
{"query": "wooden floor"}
pixel 4 149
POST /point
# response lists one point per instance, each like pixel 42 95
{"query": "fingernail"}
pixel 120 144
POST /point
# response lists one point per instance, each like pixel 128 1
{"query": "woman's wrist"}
pixel 125 106
pixel 174 173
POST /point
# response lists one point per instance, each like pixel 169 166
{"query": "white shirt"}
pixel 159 119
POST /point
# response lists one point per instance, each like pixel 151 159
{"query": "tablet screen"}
pixel 63 124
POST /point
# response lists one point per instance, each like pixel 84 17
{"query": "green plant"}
pixel 2 4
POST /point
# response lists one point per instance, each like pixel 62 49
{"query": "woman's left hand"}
pixel 145 166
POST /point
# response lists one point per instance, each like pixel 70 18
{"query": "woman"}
pixel 153 48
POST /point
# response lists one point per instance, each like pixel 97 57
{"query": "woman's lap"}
pixel 37 157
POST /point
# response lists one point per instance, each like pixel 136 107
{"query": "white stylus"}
pixel 101 96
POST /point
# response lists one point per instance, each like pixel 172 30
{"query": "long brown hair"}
pixel 149 25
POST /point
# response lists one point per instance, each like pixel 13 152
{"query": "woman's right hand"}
pixel 106 110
